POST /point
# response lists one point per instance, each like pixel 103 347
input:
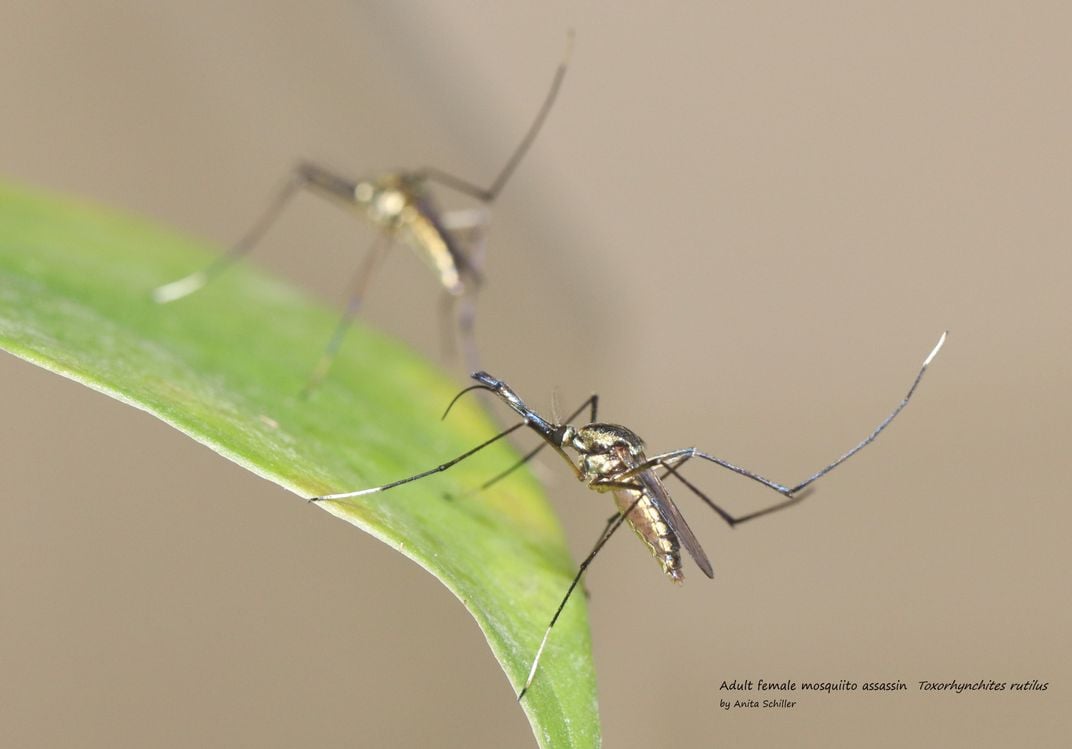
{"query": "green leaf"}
pixel 226 366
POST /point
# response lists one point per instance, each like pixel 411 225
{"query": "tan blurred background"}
pixel 744 226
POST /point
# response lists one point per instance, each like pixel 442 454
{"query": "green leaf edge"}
pixel 46 247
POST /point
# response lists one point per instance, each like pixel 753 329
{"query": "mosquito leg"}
pixel 187 285
pixel 733 520
pixel 465 313
pixel 488 195
pixel 437 469
pixel 353 305
pixel 612 525
pixel 466 226
pixel 457 319
pixel 673 460
pixel 610 522
pixel 885 422
pixel 304 175
pixel 532 420
pixel 592 404
pixel 447 326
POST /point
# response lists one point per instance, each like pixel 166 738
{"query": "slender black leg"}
pixel 457 315
pixel 733 520
pixel 353 306
pixel 878 430
pixel 673 460
pixel 677 457
pixel 488 195
pixel 612 525
pixel 304 175
pixel 447 330
pixel 465 315
pixel 422 474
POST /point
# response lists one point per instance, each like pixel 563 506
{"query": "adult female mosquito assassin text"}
pixel 610 457
pixel 400 204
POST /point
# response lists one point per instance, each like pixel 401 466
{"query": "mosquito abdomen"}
pixel 650 527
pixel 420 229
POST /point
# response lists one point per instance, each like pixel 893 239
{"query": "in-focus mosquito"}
pixel 401 206
pixel 610 457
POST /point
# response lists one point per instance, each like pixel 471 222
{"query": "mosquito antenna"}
pixel 885 422
pixel 613 525
pixel 422 474
pixel 459 395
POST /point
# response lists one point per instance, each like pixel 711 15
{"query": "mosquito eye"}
pixel 363 192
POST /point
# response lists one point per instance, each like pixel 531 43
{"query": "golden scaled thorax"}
pixel 603 449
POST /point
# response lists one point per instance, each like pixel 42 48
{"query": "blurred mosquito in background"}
pixel 611 458
pixel 402 207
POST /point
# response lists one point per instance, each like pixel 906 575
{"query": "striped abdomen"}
pixel 648 524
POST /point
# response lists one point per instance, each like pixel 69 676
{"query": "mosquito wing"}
pixel 440 247
pixel 666 507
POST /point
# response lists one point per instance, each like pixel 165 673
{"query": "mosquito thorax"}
pixel 603 450
pixel 388 199
pixel 606 438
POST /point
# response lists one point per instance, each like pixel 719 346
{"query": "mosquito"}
pixel 401 206
pixel 611 458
